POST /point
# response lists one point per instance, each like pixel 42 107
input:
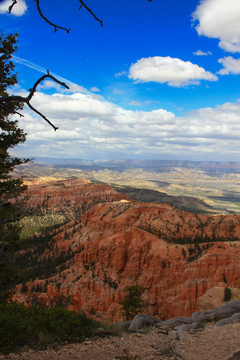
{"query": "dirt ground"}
pixel 212 343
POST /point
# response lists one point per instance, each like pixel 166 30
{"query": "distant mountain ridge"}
pixel 144 164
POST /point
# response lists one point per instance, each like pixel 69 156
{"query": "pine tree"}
pixel 133 303
pixel 10 187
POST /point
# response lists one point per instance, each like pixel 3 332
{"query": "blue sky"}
pixel 159 80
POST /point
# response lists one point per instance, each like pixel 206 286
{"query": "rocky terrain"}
pixel 205 343
pixel 112 242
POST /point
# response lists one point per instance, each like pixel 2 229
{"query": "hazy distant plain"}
pixel 216 184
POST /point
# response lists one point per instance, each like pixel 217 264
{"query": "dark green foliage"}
pixel 37 325
pixel 200 325
pixel 36 261
pixel 224 278
pixel 227 294
pixel 164 265
pixel 112 283
pixel 195 238
pixel 196 250
pixel 133 304
pixel 184 252
pixel 10 136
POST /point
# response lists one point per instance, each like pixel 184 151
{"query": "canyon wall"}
pixel 175 255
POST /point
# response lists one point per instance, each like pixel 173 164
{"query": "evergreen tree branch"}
pixel 5 100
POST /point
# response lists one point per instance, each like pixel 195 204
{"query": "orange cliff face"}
pixel 118 243
pixel 70 197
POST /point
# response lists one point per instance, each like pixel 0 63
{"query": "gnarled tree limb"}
pixel 14 2
pixel 90 11
pixel 49 22
pixel 5 100
pixel 56 27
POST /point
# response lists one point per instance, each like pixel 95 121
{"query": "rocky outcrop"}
pixel 215 297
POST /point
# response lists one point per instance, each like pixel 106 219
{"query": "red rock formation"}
pixel 123 243
pixel 69 197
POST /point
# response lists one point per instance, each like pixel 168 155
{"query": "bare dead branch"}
pixel 34 88
pixel 40 114
pixel 48 21
pixel 14 2
pixel 26 100
pixel 90 11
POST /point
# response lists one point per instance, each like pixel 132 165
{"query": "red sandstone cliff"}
pixel 69 197
pixel 122 243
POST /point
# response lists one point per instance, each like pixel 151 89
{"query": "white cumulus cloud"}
pixel 219 19
pixel 18 9
pixel 230 66
pixel 173 71
pixel 94 128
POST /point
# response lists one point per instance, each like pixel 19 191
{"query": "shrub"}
pixel 227 294
pixel 37 325
pixel 200 325
pixel 132 303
